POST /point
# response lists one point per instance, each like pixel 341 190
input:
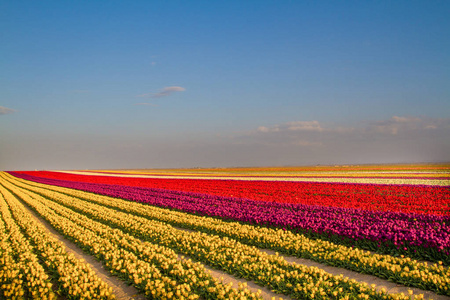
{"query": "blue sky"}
pixel 155 84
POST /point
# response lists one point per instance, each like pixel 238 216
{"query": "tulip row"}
pixel 401 270
pixel 11 282
pixel 387 197
pixel 425 237
pixel 233 257
pixel 75 279
pixel 154 269
pixel 32 276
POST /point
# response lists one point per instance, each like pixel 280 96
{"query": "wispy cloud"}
pixel 396 125
pixel 293 126
pixel 164 92
pixel 294 134
pixel 5 110
pixel 303 127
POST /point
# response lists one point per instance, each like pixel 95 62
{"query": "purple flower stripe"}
pixel 402 229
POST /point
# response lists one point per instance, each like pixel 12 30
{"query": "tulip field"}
pixel 161 230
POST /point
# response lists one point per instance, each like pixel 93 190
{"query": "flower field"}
pixel 158 233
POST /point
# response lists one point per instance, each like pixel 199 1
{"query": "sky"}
pixel 179 84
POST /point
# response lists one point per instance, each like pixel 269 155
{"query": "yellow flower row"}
pixel 75 278
pixel 11 282
pixel 228 254
pixel 402 270
pixel 133 260
pixel 32 276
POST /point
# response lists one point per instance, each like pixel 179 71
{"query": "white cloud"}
pixel 304 126
pixel 385 128
pixel 263 129
pixel 405 119
pixel 430 127
pixel 296 133
pixel 5 110
pixel 164 92
pixel 396 125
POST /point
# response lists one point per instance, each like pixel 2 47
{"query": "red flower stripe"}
pixel 394 198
